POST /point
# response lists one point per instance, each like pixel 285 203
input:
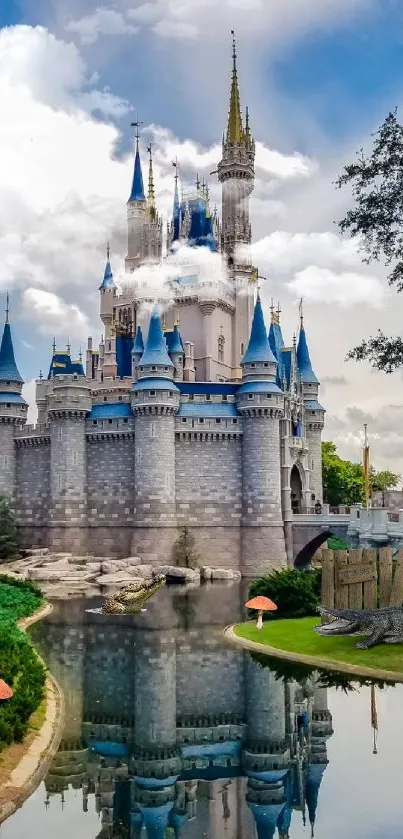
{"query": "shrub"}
pixel 336 544
pixel 185 554
pixel 9 543
pixel 19 665
pixel 295 593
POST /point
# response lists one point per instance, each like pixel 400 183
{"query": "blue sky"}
pixel 319 77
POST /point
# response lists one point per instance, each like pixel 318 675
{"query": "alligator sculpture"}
pixel 381 625
pixel 130 599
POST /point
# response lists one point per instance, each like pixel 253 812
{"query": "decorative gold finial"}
pixel 235 132
pixel 7 307
pixel 177 323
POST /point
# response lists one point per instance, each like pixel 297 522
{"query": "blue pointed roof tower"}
pixel 155 352
pixel 108 281
pixel 8 368
pixel 137 192
pixel 138 346
pixel 303 357
pixel 176 213
pixel 259 349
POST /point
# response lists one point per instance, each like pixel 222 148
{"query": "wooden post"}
pixel 341 593
pixel 396 595
pixel 327 594
pixel 385 576
pixel 370 588
pixel 355 593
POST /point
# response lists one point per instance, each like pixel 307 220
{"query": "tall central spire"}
pixel 235 132
pixel 137 192
pixel 151 191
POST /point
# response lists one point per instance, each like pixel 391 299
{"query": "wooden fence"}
pixel 362 578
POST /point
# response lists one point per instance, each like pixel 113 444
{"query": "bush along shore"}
pixel 19 664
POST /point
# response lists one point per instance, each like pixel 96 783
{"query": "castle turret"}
pixel 176 352
pixel 69 404
pixel 143 221
pixel 137 351
pixel 13 409
pixel 107 291
pixel 155 401
pixel 314 413
pixel 236 174
pixel 261 404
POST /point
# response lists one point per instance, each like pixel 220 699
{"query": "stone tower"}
pixel 314 415
pixel 13 410
pixel 155 401
pixel 69 404
pixel 107 291
pixel 236 173
pixel 143 222
pixel 261 404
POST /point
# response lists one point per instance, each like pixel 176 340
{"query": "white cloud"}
pixel 53 315
pixel 283 166
pixel 146 13
pixel 346 289
pixel 103 21
pixel 175 29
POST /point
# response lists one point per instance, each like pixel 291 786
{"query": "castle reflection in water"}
pixel 175 733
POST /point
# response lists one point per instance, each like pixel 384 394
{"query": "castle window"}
pixel 8 405
pixel 110 422
pixel 95 422
pixel 201 420
pixel 221 342
pixel 120 398
pixel 242 348
pixel 265 364
pixel 166 369
pixel 218 420
pixel 109 345
pixel 268 395
pixel 153 368
pixel 234 421
pixel 250 395
pixel 183 419
pixel 171 393
pixel 253 364
pixel 125 421
pixel 191 397
pixel 208 397
pixel 225 398
pixel 152 392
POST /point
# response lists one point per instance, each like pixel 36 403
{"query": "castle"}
pixel 200 417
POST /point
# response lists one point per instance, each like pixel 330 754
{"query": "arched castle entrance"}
pixel 296 490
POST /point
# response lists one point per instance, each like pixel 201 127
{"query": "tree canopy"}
pixel 343 480
pixel 376 182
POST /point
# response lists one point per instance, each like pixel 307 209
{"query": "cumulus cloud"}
pixel 346 289
pixel 103 21
pixel 337 381
pixel 53 315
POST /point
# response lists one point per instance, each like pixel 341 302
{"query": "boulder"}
pixel 65 574
pixel 133 560
pixel 149 559
pixel 206 572
pixel 113 565
pixel 174 573
pixel 35 552
pixel 145 572
pixel 118 577
pixel 225 574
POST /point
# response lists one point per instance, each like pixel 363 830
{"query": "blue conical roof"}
pixel 259 349
pixel 108 281
pixel 8 368
pixel 155 352
pixel 304 361
pixel 315 774
pixel 138 346
pixel 137 193
pixel 175 344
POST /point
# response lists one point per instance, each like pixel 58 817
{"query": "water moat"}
pixel 171 733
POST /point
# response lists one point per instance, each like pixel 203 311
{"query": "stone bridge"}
pixel 306 526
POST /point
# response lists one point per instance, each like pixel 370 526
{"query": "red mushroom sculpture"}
pixel 5 691
pixel 262 604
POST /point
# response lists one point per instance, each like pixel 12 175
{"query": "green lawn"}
pixel 298 636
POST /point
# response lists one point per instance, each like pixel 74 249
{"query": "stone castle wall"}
pixel 124 487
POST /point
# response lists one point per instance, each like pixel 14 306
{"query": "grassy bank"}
pixel 298 636
pixel 19 665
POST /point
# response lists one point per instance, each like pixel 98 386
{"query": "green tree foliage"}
pixel 376 183
pixel 295 593
pixel 185 554
pixel 19 665
pixel 8 531
pixel 343 481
